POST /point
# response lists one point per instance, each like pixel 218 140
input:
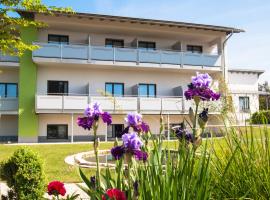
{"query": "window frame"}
pixel 114 83
pixel 195 46
pixel 246 101
pixel 65 94
pixel 147 43
pixel 113 130
pixel 59 38
pixel 114 40
pixel 66 125
pixel 148 84
pixel 6 84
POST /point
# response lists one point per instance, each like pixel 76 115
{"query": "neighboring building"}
pixel 145 64
pixel 243 85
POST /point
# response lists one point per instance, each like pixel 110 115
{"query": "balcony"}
pixel 8 106
pixel 7 58
pixel 115 105
pixel 135 56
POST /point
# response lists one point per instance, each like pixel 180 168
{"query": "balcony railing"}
pixel 138 56
pixel 7 58
pixel 67 104
pixel 8 105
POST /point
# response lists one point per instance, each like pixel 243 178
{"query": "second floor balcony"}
pixel 134 56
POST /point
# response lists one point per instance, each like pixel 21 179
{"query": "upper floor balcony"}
pixel 8 105
pixel 87 54
pixel 7 60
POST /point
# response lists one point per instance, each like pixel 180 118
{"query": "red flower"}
pixel 56 187
pixel 114 194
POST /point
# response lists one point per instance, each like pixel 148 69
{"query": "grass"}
pixel 54 155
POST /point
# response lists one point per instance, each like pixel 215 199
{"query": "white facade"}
pixel 243 85
pixel 84 64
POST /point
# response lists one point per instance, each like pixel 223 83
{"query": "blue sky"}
pixel 245 50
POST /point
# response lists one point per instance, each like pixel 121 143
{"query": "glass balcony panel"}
pixel 125 54
pixel 102 53
pixel 7 58
pixel 8 104
pixel 149 56
pixel 170 57
pixel 48 51
pixel 200 59
pixel 75 52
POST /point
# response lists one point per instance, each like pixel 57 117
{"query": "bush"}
pixel 261 117
pixel 24 174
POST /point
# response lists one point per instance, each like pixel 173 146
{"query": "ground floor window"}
pixel 57 131
pixel 115 130
pixel 244 104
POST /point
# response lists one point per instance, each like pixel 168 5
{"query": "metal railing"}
pixel 136 55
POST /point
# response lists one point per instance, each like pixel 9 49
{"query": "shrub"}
pixel 261 117
pixel 24 174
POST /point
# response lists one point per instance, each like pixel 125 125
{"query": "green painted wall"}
pixel 28 119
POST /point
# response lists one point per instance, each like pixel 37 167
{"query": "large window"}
pixel 114 89
pixel 57 131
pixel 115 130
pixel 57 87
pixel 114 43
pixel 8 90
pixel 244 104
pixel 59 39
pixel 147 45
pixel 147 90
pixel 194 48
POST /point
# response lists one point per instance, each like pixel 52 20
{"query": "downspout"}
pixel 223 51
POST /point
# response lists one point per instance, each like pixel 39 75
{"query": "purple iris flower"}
pixel 201 80
pixel 200 87
pixel 140 155
pixel 85 122
pixel 91 114
pixel 131 141
pixel 135 121
pixel 118 152
pixel 183 134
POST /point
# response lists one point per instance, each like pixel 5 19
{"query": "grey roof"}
pixel 259 72
pixel 228 30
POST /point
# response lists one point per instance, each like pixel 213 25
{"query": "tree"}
pixel 11 19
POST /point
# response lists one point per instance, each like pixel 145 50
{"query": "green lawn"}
pixel 54 155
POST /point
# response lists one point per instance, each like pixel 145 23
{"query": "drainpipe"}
pixel 223 56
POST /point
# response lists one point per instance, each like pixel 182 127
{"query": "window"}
pixel 114 43
pixel 57 87
pixel 8 90
pixel 114 89
pixel 244 103
pixel 57 131
pixel 147 90
pixel 194 49
pixel 59 39
pixel 147 45
pixel 115 130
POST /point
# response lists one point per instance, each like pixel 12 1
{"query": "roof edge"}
pixel 228 30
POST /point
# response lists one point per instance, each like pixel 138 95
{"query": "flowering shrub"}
pixel 114 194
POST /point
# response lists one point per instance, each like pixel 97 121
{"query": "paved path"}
pixel 70 187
